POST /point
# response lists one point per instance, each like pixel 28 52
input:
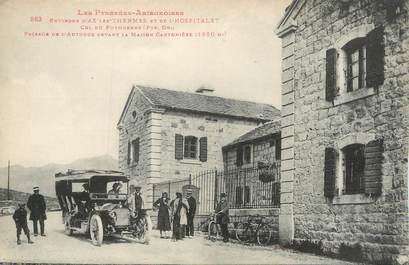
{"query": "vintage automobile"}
pixel 95 202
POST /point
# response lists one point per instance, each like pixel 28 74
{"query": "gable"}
pixel 135 102
pixel 288 21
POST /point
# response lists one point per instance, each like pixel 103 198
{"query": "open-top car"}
pixel 96 202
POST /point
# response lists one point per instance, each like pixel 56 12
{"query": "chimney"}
pixel 205 90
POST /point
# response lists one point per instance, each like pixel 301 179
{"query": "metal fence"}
pixel 255 187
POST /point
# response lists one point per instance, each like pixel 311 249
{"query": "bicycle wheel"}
pixel 263 235
pixel 243 232
pixel 213 232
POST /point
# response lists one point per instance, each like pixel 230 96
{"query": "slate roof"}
pixel 265 130
pixel 186 101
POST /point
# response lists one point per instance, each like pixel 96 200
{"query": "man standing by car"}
pixel 191 214
pixel 135 200
pixel 37 207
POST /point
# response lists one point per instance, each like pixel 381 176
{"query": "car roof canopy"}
pixel 85 175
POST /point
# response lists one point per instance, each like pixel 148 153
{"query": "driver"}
pixel 115 188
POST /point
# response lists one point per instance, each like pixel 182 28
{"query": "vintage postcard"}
pixel 204 132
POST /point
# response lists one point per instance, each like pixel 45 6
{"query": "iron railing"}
pixel 246 188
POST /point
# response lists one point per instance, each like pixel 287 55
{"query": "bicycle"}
pixel 213 228
pixel 253 230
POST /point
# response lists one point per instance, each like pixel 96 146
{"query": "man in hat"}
pixel 190 232
pixel 222 216
pixel 136 201
pixel 37 207
pixel 20 218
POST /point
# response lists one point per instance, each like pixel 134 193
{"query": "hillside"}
pixel 18 196
pixel 24 178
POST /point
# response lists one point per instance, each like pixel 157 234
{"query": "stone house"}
pixel 252 174
pixel 344 126
pixel 251 157
pixel 168 135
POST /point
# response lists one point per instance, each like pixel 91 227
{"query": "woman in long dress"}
pixel 163 215
pixel 180 208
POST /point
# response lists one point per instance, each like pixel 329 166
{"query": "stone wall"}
pixel 136 124
pixel 379 224
pixel 219 132
pixel 261 151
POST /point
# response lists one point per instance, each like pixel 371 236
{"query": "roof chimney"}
pixel 206 90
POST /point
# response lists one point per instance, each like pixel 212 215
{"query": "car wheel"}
pixel 96 230
pixel 67 227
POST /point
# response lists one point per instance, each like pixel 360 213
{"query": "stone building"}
pixel 167 135
pixel 344 126
pixel 252 174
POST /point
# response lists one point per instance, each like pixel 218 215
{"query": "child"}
pixel 20 218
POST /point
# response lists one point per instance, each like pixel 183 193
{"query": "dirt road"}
pixel 58 247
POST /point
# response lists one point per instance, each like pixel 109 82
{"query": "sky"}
pixel 61 97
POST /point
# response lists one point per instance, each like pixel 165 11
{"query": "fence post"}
pixel 215 188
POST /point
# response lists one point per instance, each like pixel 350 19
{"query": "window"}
pixel 356 64
pixel 128 157
pixel 135 150
pixel 353 168
pixel 355 67
pixel 190 147
pixel 247 154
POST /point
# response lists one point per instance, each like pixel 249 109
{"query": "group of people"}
pixel 180 212
pixel 37 207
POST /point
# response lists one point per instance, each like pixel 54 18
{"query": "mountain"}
pixel 24 178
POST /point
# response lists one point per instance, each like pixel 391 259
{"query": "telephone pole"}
pixel 8 181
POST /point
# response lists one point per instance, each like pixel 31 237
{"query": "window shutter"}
pixel 239 156
pixel 278 148
pixel 329 172
pixel 129 154
pixel 246 194
pixel 372 180
pixel 375 53
pixel 330 80
pixel 178 146
pixel 136 150
pixel 203 149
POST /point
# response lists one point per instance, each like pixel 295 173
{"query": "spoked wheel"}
pixel 67 227
pixel 243 233
pixel 96 230
pixel 263 235
pixel 213 231
pixel 145 229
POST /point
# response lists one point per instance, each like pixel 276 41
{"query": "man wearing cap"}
pixel 222 216
pixel 20 219
pixel 191 213
pixel 37 207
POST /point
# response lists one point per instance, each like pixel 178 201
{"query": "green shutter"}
pixel 203 149
pixel 375 53
pixel 178 146
pixel 329 172
pixel 372 179
pixel 331 75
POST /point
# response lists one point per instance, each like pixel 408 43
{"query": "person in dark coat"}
pixel 179 208
pixel 20 218
pixel 190 228
pixel 222 216
pixel 163 215
pixel 37 207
